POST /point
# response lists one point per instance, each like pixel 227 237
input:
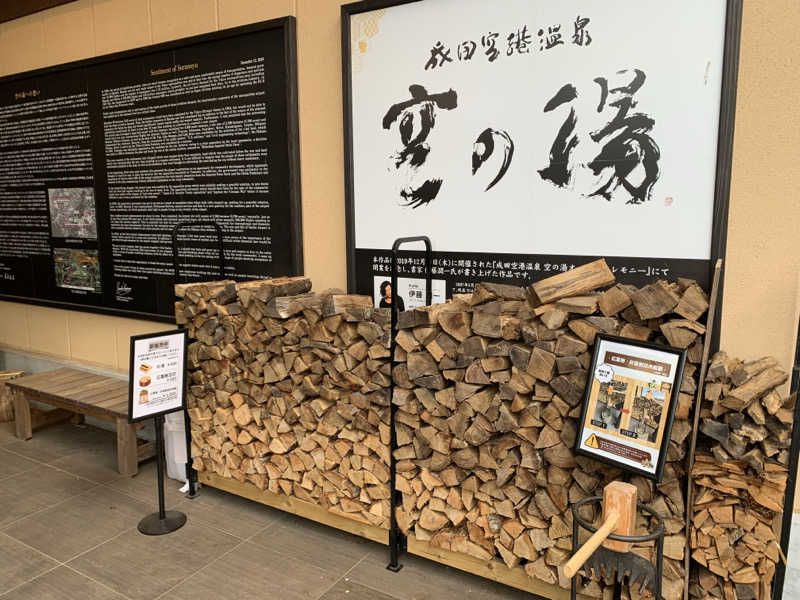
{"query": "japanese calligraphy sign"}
pixel 527 136
pixel 156 378
pixel 629 404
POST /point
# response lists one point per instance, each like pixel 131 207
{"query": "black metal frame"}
pixel 791 481
pixel 673 401
pixel 289 26
pixel 657 535
pixel 191 474
pixel 397 541
pixel 727 115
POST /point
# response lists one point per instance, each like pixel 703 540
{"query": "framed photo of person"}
pixel 629 404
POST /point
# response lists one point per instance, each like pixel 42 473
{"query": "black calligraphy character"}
pixel 519 42
pixel 466 50
pixel 581 36
pixel 485 146
pixel 490 43
pixel 417 117
pixel 631 147
pixel 551 39
pixel 559 170
pixel 439 56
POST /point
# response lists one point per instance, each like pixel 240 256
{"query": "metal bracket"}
pixel 397 541
pixel 191 474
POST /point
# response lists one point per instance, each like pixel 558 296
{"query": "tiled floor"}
pixel 68 532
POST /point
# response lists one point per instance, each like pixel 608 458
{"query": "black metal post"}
pixel 791 482
pixel 573 584
pixel 660 564
pixel 159 422
pixel 397 541
pixel 191 474
pixel 163 521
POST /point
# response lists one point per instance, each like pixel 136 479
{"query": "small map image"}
pixel 77 269
pixel 72 213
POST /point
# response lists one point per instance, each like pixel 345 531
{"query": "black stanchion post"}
pixel 791 483
pixel 397 541
pixel 163 521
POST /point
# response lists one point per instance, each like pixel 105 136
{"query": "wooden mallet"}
pixel 619 517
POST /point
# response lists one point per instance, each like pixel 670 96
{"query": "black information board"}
pixel 102 158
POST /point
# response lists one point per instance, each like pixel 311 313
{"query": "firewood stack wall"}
pixel 289 391
pixel 489 389
pixel 740 477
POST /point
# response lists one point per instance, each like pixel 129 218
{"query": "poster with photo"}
pixel 493 127
pixel 629 404
pixel 410 292
pixel 157 381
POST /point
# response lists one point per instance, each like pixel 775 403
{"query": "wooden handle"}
pixel 584 552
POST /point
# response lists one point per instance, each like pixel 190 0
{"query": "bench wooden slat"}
pixel 94 393
pixel 56 387
pixel 75 390
pixel 40 380
pixel 108 400
pixel 60 372
pixel 114 399
pixel 76 406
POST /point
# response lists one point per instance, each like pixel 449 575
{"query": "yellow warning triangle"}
pixel 591 441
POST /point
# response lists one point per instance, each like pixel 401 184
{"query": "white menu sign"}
pixel 157 374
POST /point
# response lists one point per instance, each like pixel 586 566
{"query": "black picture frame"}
pixel 184 333
pixel 727 114
pixel 673 401
pixel 288 26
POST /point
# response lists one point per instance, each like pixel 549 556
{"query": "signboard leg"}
pixel 164 521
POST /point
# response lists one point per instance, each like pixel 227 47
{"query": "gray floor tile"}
pixel 98 463
pixel 143 486
pixel 34 449
pixel 421 579
pixel 36 489
pixel 232 514
pixel 143 567
pixel 79 524
pixel 321 546
pixel 57 441
pixel 7 433
pixel 349 590
pixel 62 584
pixel 12 464
pixel 254 572
pixel 19 564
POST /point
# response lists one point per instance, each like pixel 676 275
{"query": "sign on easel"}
pixel 629 404
pixel 157 384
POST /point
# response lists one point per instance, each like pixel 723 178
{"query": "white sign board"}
pixel 157 382
pixel 517 130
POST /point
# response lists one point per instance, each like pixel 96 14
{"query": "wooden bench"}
pixel 72 391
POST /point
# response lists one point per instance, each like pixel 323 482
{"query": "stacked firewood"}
pixel 740 475
pixel 488 394
pixel 289 391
